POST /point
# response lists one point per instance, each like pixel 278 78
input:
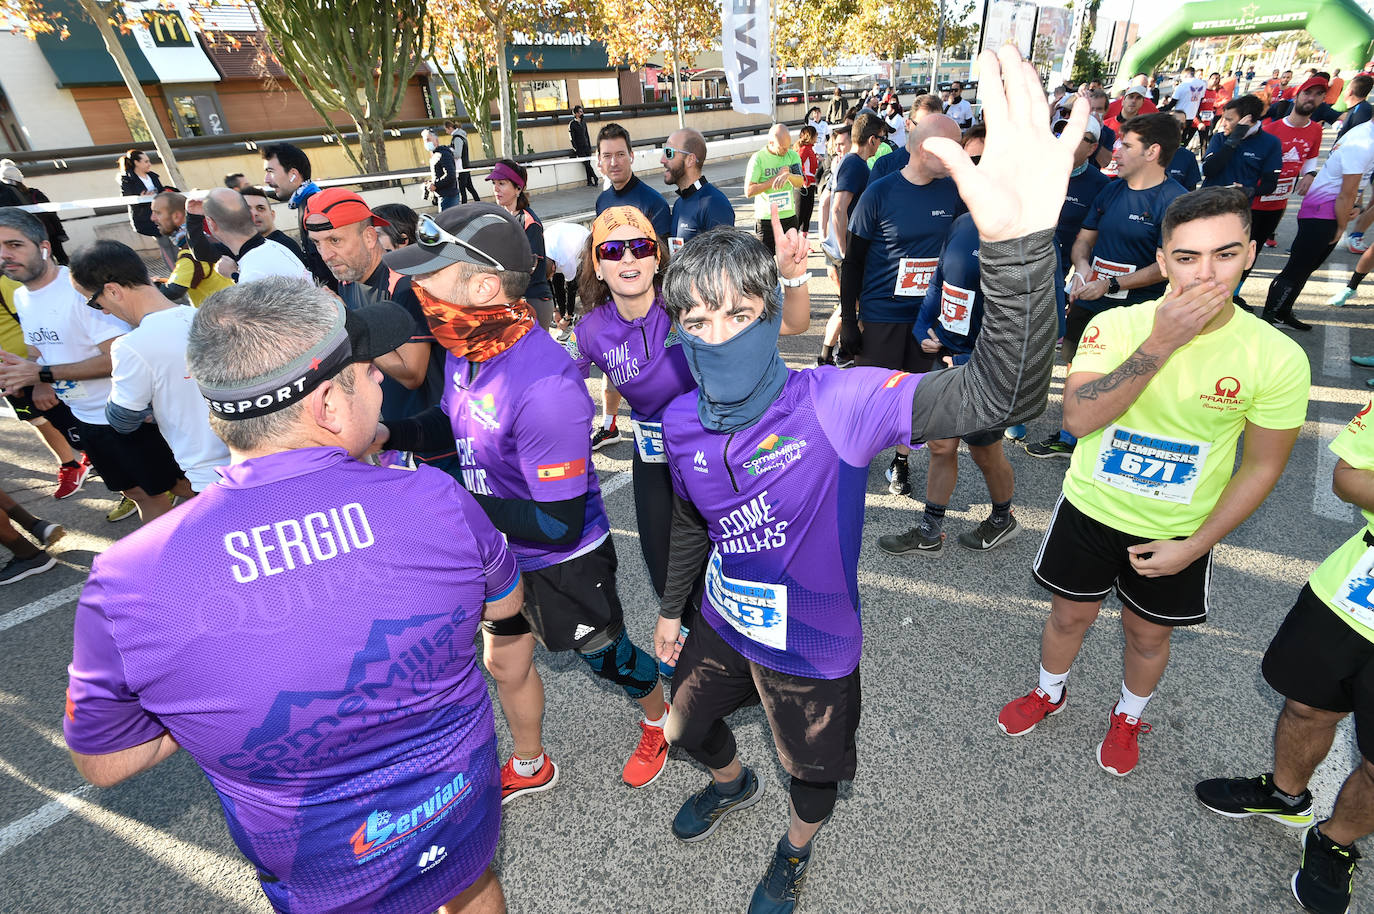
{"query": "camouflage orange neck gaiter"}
pixel 476 334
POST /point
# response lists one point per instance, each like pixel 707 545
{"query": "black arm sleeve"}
pixel 852 277
pixel 427 431
pixel 689 545
pixel 1266 185
pixel 1215 163
pixel 173 291
pixel 1007 379
pixel 202 248
pixel 558 523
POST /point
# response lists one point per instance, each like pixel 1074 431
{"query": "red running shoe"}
pixel 644 767
pixel 513 784
pixel 70 479
pixel 1020 715
pixel 1119 752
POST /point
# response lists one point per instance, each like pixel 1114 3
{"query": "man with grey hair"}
pixel 700 205
pixel 69 344
pixel 229 220
pixel 443 170
pixel 769 468
pixel 305 755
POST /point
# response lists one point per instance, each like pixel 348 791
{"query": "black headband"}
pixel 267 394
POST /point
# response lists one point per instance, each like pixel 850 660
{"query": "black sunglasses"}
pixel 615 250
pixel 92 303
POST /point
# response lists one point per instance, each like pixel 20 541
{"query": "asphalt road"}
pixel 946 814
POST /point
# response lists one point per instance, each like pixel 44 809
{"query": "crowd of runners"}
pixel 296 432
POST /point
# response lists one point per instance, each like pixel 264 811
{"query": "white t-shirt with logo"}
pixel 272 259
pixel 58 324
pixel 150 370
pixel 1188 96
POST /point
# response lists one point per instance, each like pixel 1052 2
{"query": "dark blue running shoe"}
pixel 704 809
pixel 780 888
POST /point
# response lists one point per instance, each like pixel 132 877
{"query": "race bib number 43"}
pixel 914 274
pixel 756 610
pixel 1149 465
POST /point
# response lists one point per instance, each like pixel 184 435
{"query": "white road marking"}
pixel 44 817
pixel 1336 352
pixel 55 600
pixel 616 482
pixel 1324 501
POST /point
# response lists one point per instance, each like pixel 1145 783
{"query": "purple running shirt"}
pixel 641 358
pixel 521 423
pixel 304 629
pixel 783 501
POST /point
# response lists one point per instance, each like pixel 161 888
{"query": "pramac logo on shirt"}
pixel 1357 423
pixel 385 828
pixel 1089 341
pixel 1225 396
pixel 774 453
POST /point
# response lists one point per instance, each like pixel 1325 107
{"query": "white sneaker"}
pixel 1357 244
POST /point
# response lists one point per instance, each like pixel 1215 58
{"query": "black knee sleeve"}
pixel 624 664
pixel 814 801
pixel 714 748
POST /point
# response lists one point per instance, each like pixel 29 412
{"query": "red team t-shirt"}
pixel 1299 144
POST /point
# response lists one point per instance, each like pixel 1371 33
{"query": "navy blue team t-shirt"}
pixel 1184 169
pixel 853 176
pixel 906 225
pixel 1127 223
pixel 700 208
pixel 893 161
pixel 1082 191
pixel 643 198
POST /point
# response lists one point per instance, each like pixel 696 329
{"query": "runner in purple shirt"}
pixel 631 338
pixel 357 772
pixel 770 467
pixel 518 410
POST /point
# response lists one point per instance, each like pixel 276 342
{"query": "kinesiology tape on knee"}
pixel 813 800
pixel 625 665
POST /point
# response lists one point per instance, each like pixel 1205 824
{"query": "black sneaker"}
pixel 1293 323
pixel 1240 798
pixel 917 539
pixel 702 812
pixel 605 436
pixel 781 886
pixel 47 532
pixel 1323 884
pixel 18 569
pixel 1053 446
pixel 899 477
pixel 988 535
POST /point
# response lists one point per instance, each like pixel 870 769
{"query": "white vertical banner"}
pixel 748 55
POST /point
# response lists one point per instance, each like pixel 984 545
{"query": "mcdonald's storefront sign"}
pixel 167 29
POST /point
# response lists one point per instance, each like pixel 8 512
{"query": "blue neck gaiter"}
pixel 302 193
pixel 737 380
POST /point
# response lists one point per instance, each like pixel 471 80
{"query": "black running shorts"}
pixel 1084 560
pixel 893 346
pixel 139 459
pixel 1317 660
pixel 567 603
pixel 813 720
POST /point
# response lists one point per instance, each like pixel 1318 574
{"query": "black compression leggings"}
pixel 1313 244
pixel 653 488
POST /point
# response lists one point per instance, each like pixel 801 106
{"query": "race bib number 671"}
pixel 1150 465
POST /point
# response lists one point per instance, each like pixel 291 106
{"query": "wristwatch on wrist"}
pixel 45 374
pixel 1113 285
pixel 801 280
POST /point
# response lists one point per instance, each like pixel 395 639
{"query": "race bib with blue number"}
pixel 649 441
pixel 756 610
pixel 1356 594
pixel 1150 465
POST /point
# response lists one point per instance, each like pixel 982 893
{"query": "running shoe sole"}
pixel 51 534
pixel 1062 706
pixel 552 782
pixel 1293 887
pixel 1290 821
pixel 30 572
pixel 606 442
pixel 1112 771
pixel 1048 454
pixel 743 804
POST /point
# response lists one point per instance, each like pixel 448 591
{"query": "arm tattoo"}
pixel 1139 364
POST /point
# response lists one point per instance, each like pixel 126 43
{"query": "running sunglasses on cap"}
pixel 429 234
pixel 615 250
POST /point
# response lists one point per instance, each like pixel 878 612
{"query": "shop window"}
pixel 542 95
pixel 185 107
pixel 134 120
pixel 599 93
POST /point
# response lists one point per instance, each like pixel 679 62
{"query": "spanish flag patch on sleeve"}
pixel 551 472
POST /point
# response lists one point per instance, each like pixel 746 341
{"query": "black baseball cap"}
pixel 478 233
